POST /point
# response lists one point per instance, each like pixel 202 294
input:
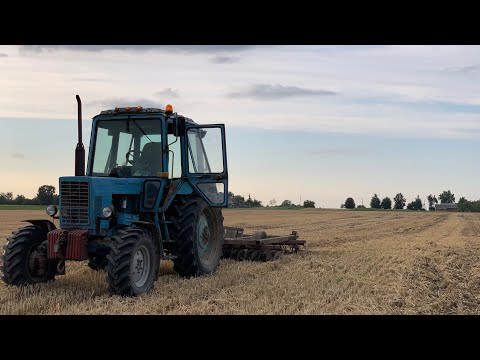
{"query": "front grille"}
pixel 74 202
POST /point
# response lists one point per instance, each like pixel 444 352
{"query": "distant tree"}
pixel 375 202
pixel 386 203
pixel 256 203
pixel 415 204
pixel 273 202
pixel 6 198
pixel 286 203
pixel 249 201
pixel 236 201
pixel 463 204
pixel 447 197
pixel 400 201
pixel 350 203
pixel 468 206
pixel 19 200
pixel 33 201
pixel 45 194
pixel 309 204
pixel 432 200
pixel 342 206
pixel 361 206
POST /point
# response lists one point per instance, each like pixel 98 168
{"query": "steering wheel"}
pixel 128 155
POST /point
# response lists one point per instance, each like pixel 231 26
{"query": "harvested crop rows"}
pixel 357 262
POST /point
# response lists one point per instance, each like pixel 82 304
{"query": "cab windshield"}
pixel 127 148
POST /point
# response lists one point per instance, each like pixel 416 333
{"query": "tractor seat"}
pixel 151 157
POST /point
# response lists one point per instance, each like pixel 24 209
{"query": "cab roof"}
pixel 137 111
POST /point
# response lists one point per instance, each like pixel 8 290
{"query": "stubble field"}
pixel 370 262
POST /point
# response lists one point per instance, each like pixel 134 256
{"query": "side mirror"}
pixel 178 126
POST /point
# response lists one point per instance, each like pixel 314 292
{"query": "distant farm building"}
pixel 446 207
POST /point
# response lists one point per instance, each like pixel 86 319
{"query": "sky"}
pixel 302 122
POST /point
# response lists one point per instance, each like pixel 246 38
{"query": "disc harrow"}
pixel 259 246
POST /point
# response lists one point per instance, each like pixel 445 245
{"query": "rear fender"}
pixel 44 225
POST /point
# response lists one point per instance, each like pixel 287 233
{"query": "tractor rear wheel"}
pixel 198 233
pixel 132 262
pixel 24 259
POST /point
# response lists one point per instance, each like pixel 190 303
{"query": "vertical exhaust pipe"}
pixel 79 150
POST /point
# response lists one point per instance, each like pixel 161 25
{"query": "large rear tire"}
pixel 132 262
pixel 198 233
pixel 24 260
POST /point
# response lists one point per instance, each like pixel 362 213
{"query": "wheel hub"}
pixel 206 235
pixel 140 266
pixel 203 235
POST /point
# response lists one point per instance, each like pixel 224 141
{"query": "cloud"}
pixel 16 155
pixel 334 152
pixel 140 48
pixel 463 69
pixel 167 93
pixel 269 92
pixel 224 59
pixel 3 55
pixel 330 152
pixel 111 103
pixel 89 79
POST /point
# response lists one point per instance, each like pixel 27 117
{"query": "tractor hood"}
pixel 82 199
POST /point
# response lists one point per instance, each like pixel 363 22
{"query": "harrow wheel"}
pixel 262 256
pixel 278 254
pixel 233 254
pixel 253 255
pixel 226 253
pixel 242 253
pixel 270 255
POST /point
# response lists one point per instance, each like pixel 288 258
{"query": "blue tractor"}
pixel 154 188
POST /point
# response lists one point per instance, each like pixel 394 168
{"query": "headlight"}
pixel 107 212
pixel 51 210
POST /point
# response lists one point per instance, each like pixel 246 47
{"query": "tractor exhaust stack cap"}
pixel 79 150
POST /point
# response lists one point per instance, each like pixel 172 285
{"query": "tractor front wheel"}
pixel 24 259
pixel 132 262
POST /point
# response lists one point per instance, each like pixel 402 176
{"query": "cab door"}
pixel 206 162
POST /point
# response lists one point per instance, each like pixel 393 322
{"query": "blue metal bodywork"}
pixel 101 190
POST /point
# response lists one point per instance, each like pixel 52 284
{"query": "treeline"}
pixel 468 206
pixel 238 201
pixel 45 196
pixel 399 202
